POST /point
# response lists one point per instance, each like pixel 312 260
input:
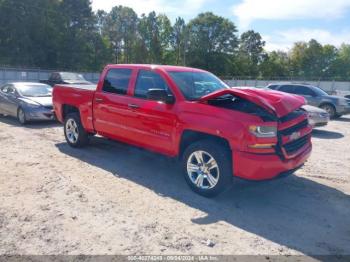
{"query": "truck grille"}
pixel 291 116
pixel 290 148
pixel 293 147
pixel 297 127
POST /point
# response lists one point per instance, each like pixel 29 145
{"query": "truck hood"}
pixel 43 101
pixel 275 102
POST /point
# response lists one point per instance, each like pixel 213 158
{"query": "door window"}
pixel 288 89
pixel 54 77
pixel 147 80
pixel 117 81
pixel 304 91
pixel 11 90
pixel 4 88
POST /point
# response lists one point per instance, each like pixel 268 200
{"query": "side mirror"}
pixel 160 95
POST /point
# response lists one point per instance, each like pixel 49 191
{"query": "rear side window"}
pixel 117 81
pixel 303 90
pixel 288 89
pixel 147 80
pixel 55 77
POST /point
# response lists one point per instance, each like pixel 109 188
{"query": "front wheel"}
pixel 207 168
pixel 330 109
pixel 75 134
pixel 21 116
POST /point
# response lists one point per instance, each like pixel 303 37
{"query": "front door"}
pixel 153 123
pixel 308 94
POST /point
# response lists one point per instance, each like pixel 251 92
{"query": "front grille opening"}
pixel 293 147
pixel 297 127
pixel 295 114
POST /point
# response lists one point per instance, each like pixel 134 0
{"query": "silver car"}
pixel 317 117
pixel 26 101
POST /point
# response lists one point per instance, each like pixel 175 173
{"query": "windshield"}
pixel 195 85
pixel 319 91
pixel 72 76
pixel 33 90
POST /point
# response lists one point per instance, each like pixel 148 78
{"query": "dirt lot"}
pixel 111 198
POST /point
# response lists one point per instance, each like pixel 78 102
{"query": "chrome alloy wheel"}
pixel 203 170
pixel 72 131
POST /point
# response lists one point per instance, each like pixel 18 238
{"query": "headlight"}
pixel 263 131
pixel 313 114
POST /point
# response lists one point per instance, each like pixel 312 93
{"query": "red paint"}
pixel 159 127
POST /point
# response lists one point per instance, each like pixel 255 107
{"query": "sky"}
pixel 280 22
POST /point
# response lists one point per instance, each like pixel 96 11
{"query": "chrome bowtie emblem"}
pixel 295 136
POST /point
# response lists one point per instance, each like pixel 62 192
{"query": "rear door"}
pixel 308 94
pixel 111 104
pixel 153 123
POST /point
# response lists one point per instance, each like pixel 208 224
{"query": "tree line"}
pixel 67 34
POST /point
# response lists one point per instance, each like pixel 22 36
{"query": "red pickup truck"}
pixel 217 132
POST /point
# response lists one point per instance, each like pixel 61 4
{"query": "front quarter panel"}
pixel 228 124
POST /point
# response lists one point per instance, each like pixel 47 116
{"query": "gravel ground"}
pixel 110 198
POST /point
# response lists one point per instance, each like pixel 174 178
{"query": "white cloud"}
pixel 171 8
pixel 251 10
pixel 284 40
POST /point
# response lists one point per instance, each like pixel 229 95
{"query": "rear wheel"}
pixel 207 168
pixel 330 109
pixel 21 116
pixel 75 134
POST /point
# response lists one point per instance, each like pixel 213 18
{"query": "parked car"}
pixel 335 106
pixel 26 101
pixel 216 131
pixel 66 78
pixel 317 116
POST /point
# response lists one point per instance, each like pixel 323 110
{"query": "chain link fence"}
pixel 8 74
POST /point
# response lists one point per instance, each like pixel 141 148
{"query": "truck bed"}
pixel 78 96
pixel 85 87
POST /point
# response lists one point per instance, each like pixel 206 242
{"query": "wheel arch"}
pixel 68 109
pixel 191 136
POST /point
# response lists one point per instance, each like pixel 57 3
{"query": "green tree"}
pixel 250 54
pixel 275 65
pixel 28 32
pixel 120 27
pixel 212 42
pixel 178 40
pixel 342 63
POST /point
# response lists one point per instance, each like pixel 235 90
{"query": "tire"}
pixel 330 109
pixel 74 132
pixel 21 116
pixel 207 182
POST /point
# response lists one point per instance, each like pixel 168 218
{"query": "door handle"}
pixel 133 106
pixel 98 100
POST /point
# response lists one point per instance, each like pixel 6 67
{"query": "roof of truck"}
pixel 162 67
